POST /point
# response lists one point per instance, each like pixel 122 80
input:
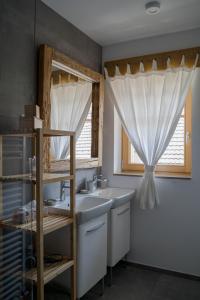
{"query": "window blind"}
pixel 174 154
pixel 83 145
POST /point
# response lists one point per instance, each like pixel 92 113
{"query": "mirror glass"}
pixel 71 110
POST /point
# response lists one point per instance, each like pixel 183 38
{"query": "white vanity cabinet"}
pixel 118 233
pixel 91 253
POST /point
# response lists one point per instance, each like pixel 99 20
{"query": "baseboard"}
pixel 169 272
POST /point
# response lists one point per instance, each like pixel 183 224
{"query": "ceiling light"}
pixel 152 8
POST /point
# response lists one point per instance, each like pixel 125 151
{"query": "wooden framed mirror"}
pixel 56 68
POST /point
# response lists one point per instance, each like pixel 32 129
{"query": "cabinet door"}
pixel 92 253
pixel 119 233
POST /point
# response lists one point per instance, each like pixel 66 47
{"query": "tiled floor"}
pixel 132 283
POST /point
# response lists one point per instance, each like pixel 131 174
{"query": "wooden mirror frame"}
pixel 46 57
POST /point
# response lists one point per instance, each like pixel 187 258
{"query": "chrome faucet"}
pixel 91 185
pixel 63 187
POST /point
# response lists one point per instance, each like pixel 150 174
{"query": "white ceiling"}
pixel 113 21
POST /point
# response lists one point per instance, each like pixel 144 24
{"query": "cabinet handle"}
pixel 123 211
pixel 96 227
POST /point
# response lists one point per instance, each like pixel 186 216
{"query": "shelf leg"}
pixel 39 215
pixel 72 212
pixel 73 283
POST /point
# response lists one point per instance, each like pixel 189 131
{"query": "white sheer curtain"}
pixel 70 104
pixel 149 106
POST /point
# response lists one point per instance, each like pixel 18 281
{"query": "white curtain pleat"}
pixel 149 106
pixel 70 104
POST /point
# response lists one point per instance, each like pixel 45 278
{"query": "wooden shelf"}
pixel 16 177
pixel 20 133
pixel 50 224
pixel 47 177
pixel 54 177
pixel 46 133
pixel 51 132
pixel 50 271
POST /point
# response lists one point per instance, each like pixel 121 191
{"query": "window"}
pixel 176 158
pixel 84 142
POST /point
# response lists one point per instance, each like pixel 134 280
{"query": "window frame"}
pixel 126 166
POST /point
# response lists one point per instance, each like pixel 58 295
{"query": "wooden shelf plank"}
pixel 22 133
pixel 50 271
pixel 16 177
pixel 47 177
pixel 54 177
pixel 50 224
pixel 52 132
pixel 46 133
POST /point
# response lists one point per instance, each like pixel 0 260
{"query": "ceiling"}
pixel 113 21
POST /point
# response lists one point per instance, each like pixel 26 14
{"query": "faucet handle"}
pixel 63 184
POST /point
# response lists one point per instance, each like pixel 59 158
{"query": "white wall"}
pixel 167 237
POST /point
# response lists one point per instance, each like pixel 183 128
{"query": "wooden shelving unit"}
pixel 45 225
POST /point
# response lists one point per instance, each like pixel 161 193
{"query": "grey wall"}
pixel 19 57
pixel 18 67
pixel 167 237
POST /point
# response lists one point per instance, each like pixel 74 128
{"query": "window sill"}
pixel 158 175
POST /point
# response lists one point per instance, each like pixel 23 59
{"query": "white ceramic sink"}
pixel 87 207
pixel 91 207
pixel 96 204
pixel 85 203
pixel 119 196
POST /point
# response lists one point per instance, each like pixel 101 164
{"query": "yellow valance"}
pixel 162 61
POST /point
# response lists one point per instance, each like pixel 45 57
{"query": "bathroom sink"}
pixel 97 203
pixel 119 196
pixel 91 207
pixel 87 207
